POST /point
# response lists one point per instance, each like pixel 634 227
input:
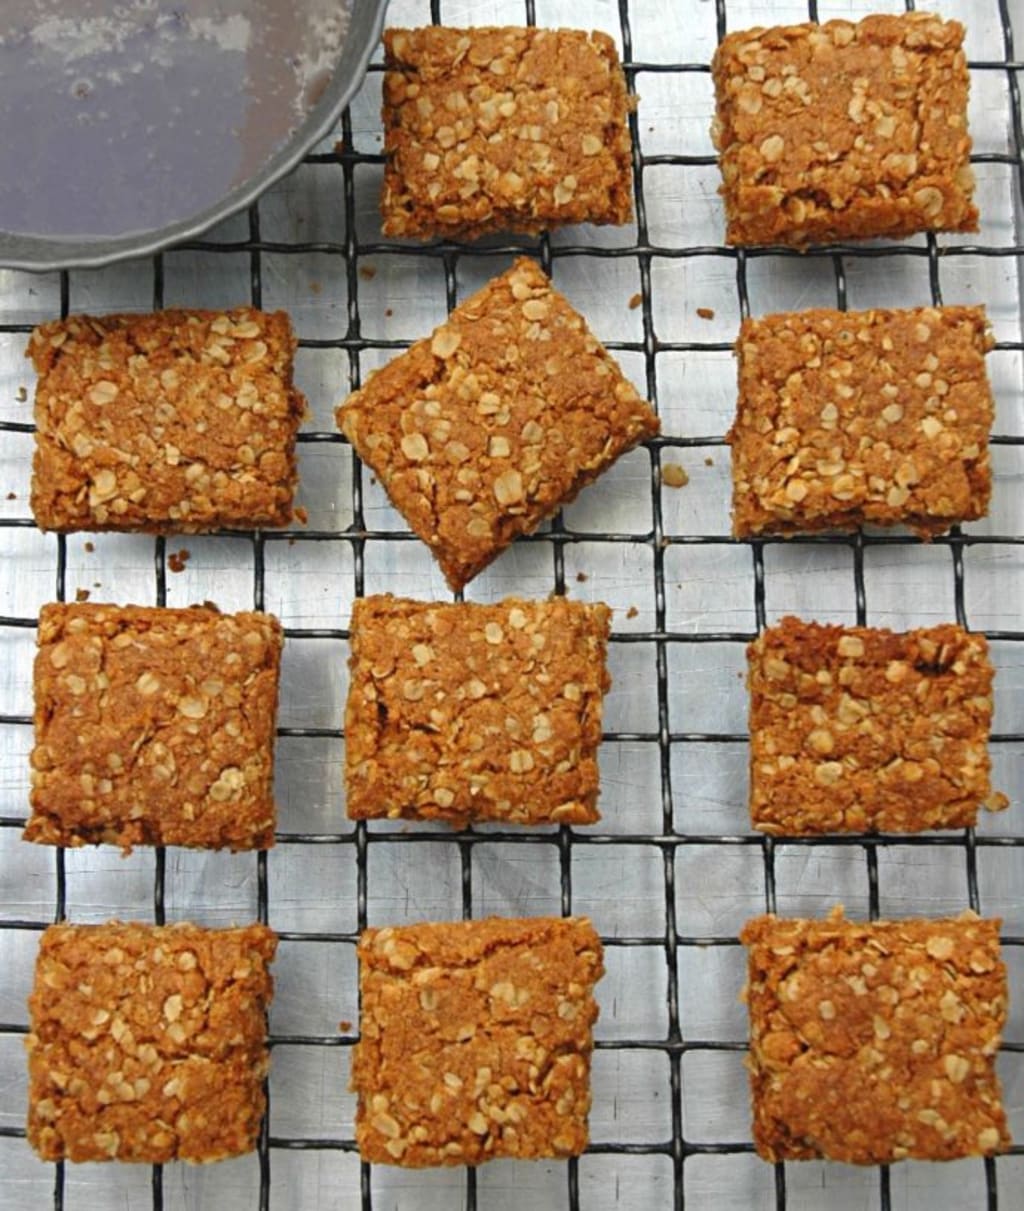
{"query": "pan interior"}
pixel 122 118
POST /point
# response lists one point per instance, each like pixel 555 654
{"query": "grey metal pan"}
pixel 131 126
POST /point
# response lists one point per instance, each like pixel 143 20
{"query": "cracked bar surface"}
pixel 178 421
pixel 475 1040
pixel 148 1043
pixel 872 1043
pixel 503 129
pixel 464 712
pixel 862 418
pixel 844 131
pixel 490 425
pixel 154 727
pixel 861 729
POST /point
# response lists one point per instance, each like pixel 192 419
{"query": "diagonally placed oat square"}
pixel 503 129
pixel 465 712
pixel 154 727
pixel 856 729
pixel 846 419
pixel 148 1042
pixel 490 425
pixel 475 1040
pixel 844 131
pixel 875 1042
pixel 177 421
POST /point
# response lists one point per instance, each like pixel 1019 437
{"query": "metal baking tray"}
pixel 129 127
pixel 673 870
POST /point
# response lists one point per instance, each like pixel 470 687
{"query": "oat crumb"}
pixel 82 594
pixel 301 515
pixel 709 461
pixel 632 612
pixel 315 287
pixel 22 395
pixel 177 559
pixel 12 496
pixel 89 547
pixel 706 313
pixel 581 577
pixel 673 476
pixel 367 272
pixel 635 301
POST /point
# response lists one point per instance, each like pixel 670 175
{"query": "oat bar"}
pixel 872 1043
pixel 862 729
pixel 503 129
pixel 148 1043
pixel 475 712
pixel 844 131
pixel 154 727
pixel 475 1040
pixel 861 418
pixel 179 421
pixel 494 422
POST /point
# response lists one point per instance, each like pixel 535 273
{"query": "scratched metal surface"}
pixel 672 871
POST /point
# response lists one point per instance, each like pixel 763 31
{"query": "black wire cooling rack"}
pixel 669 841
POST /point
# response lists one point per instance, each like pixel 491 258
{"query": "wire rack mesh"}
pixel 694 1148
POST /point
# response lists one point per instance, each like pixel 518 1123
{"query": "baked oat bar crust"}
pixel 503 129
pixel 862 729
pixel 872 1043
pixel 475 1040
pixel 467 712
pixel 844 131
pixel 177 421
pixel 861 418
pixel 148 1043
pixel 154 727
pixel 490 425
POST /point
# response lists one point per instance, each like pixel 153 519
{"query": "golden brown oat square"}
pixel 503 129
pixel 475 1040
pixel 862 729
pixel 490 425
pixel 178 421
pixel 148 1043
pixel 844 131
pixel 466 712
pixel 860 418
pixel 872 1043
pixel 154 727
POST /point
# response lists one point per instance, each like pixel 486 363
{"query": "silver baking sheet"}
pixel 689 602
